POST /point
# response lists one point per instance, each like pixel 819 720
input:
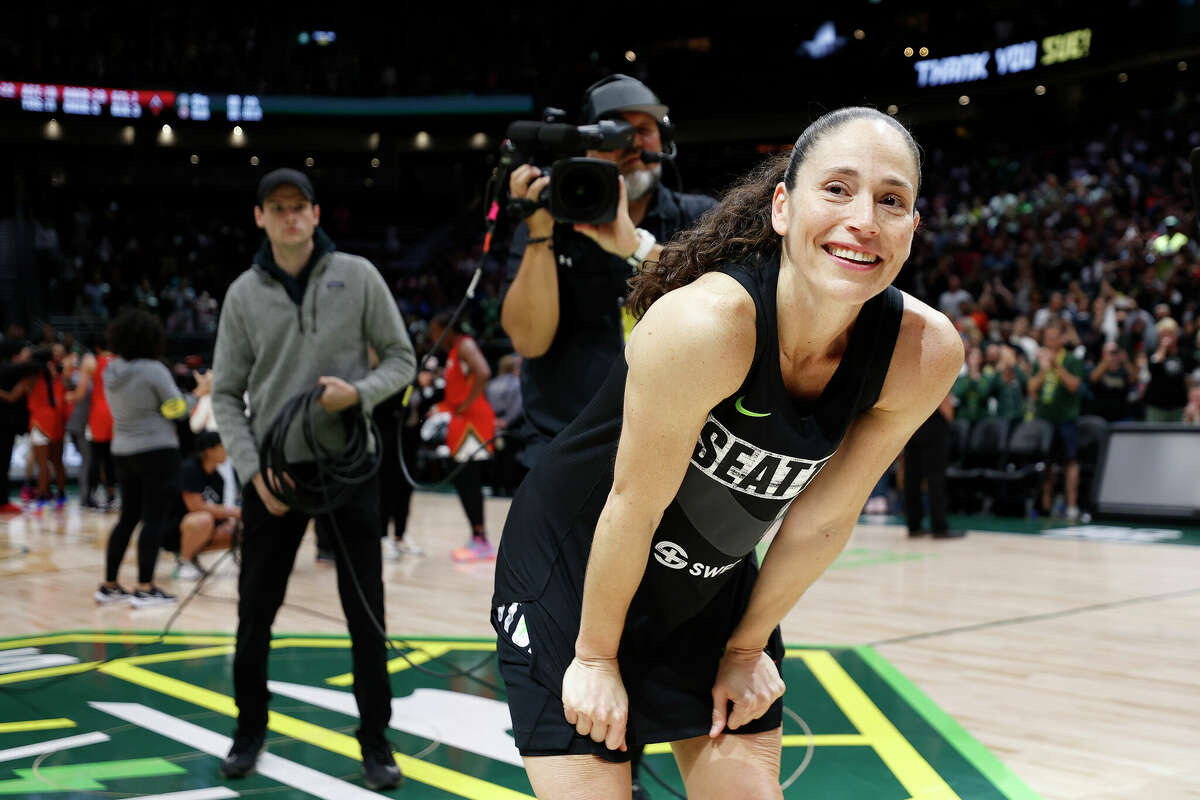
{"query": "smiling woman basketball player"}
pixel 774 375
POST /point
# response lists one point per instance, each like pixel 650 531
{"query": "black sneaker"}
pixel 154 597
pixel 111 594
pixel 243 755
pixel 951 534
pixel 326 556
pixel 379 767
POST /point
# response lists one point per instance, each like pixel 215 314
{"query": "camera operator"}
pixel 566 285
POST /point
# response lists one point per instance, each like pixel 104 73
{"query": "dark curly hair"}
pixel 136 333
pixel 739 228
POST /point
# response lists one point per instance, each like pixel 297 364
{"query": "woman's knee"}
pixel 581 777
pixel 200 522
pixel 732 765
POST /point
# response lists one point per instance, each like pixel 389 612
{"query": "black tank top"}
pixel 759 448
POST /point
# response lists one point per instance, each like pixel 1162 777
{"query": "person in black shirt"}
pixel 927 455
pixel 201 520
pixel 776 373
pixel 563 300
pixel 1166 392
pixel 1111 381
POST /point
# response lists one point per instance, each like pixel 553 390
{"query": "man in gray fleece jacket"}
pixel 302 315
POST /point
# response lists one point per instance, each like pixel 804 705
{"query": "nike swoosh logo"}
pixel 742 409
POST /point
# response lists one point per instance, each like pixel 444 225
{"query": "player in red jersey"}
pixel 472 425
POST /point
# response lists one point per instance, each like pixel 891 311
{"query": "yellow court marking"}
pixel 437 776
pixel 36 725
pixel 397 664
pixel 178 655
pixel 47 672
pixel 797 740
pixel 826 740
pixel 425 644
pixel 113 638
pixel 914 773
pixel 285 642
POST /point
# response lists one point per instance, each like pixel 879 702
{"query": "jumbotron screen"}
pixel 94 101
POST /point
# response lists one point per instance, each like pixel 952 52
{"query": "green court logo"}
pixel 92 714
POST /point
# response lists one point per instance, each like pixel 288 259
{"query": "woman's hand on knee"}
pixel 750 680
pixel 595 702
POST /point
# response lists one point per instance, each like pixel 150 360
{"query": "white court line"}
pixel 215 793
pixel 465 721
pixel 289 773
pixel 27 658
pixel 52 746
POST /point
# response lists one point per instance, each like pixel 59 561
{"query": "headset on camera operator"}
pixel 564 298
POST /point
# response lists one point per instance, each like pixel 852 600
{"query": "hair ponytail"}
pixel 736 229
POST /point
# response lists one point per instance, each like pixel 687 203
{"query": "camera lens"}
pixel 584 190
pixel 581 189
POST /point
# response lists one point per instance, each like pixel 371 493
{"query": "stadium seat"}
pixel 1025 463
pixel 986 447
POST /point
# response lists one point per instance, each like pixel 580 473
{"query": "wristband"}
pixel 646 242
pixel 539 240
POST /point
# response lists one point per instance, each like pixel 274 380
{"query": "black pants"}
pixel 926 456
pixel 7 437
pixel 149 481
pixel 395 494
pixel 268 551
pixel 101 461
pixel 469 486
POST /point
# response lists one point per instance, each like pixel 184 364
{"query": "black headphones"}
pixel 610 96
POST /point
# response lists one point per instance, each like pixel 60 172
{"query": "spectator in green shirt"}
pixel 1054 394
pixel 971 389
pixel 1008 386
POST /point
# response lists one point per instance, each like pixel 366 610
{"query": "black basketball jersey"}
pixel 758 450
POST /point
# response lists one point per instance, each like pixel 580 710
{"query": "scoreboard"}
pixel 170 105
pixel 94 101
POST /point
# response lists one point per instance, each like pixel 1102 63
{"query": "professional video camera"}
pixel 582 190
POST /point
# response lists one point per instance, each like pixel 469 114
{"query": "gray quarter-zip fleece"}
pixel 144 402
pixel 274 349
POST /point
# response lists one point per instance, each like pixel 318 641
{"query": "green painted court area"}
pixel 122 715
pixel 1098 530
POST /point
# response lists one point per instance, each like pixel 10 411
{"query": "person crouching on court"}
pixel 304 315
pixel 774 375
pixel 200 520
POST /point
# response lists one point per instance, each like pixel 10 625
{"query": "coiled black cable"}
pixel 337 474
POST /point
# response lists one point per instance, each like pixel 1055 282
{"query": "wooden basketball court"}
pixel 1019 662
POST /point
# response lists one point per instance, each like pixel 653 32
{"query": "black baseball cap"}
pixel 609 97
pixel 285 177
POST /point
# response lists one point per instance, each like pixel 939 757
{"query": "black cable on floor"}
pixel 337 474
